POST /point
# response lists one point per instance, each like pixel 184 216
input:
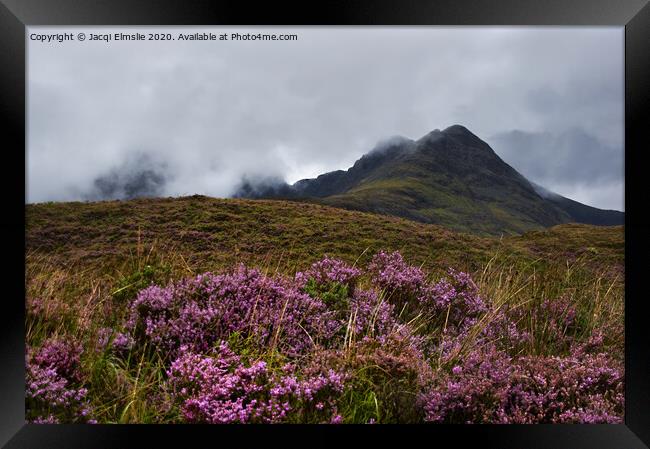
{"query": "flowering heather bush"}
pixel 371 314
pixel 50 374
pixel 452 305
pixel 465 317
pixel 561 311
pixel 35 307
pixel 329 270
pixel 487 386
pixel 60 355
pixel 218 389
pixel 50 399
pixel 390 272
pixel 51 419
pixel 458 292
pixel 579 388
pixel 473 392
pixel 330 280
pixel 557 321
pixel 197 312
pixel 457 298
pixel 383 375
pixel 338 344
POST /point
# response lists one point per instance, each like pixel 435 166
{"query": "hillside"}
pixel 121 316
pixel 211 233
pixel 450 178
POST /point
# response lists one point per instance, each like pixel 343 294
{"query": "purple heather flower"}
pixel 61 355
pixel 329 270
pixel 391 273
pixel 47 390
pixel 220 388
pixel 198 312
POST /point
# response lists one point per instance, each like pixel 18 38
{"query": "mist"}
pixel 170 118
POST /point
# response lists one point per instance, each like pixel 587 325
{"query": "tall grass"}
pixel 77 302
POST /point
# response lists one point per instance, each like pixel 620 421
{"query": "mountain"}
pixel 450 178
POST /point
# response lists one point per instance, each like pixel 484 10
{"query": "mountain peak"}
pixel 450 177
pixel 457 129
pixel 459 132
pixel 465 137
pixel 454 131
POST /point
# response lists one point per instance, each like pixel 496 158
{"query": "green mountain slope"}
pixel 450 178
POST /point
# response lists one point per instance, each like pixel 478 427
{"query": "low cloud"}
pixel 215 113
pixel 573 163
pixel 139 175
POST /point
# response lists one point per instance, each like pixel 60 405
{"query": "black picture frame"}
pixel 15 15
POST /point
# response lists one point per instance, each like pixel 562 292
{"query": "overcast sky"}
pixel 548 100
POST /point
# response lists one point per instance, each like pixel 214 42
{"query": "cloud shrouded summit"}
pixel 176 118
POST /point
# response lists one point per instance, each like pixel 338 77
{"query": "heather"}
pixel 197 312
pixel 217 388
pixel 205 310
pixel 372 339
pixel 52 390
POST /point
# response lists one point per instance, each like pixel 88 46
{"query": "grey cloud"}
pixel 572 155
pixel 260 187
pixel 139 175
pixel 571 162
pixel 217 112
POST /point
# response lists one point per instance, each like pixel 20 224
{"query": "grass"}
pixel 86 261
pixel 200 234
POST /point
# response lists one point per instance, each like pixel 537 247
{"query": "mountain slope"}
pixel 451 178
pixel 581 213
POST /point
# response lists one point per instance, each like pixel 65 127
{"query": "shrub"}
pixel 50 394
pixel 60 355
pixel 218 388
pixel 200 311
pixel 371 314
pixel 335 344
pixel 328 271
pixel 487 386
pixel 384 376
pixel 400 281
pixel 330 280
